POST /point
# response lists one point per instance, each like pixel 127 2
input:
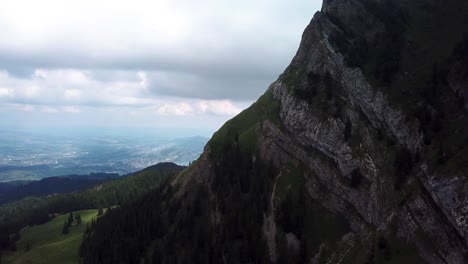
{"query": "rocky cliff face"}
pixel 363 112
pixel 356 154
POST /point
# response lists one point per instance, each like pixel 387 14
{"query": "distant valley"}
pixel 26 156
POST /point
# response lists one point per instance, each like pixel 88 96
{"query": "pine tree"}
pixel 70 219
pixel 109 209
pixel 65 229
pixel 100 211
pixel 78 219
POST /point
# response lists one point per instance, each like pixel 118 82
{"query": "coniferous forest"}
pixel 37 210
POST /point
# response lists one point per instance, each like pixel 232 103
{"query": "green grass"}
pixel 293 75
pixel 47 243
pixel 244 125
pixel 248 140
pixel 181 175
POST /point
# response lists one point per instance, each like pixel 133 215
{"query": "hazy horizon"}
pixel 32 156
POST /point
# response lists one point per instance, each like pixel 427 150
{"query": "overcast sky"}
pixel 138 63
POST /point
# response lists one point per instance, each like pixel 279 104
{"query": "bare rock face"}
pixel 437 209
pixel 362 152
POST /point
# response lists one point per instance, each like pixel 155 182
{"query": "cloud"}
pixel 70 86
pixel 71 93
pixel 67 90
pixel 4 92
pixel 212 107
pixel 177 63
pixel 223 107
pixel 214 87
pixel 210 47
pixel 25 108
pixel 71 109
pixel 48 109
pixel 178 109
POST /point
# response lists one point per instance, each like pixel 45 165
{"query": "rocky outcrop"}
pixel 363 154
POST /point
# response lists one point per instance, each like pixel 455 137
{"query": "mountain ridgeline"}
pixel 358 153
pixel 11 191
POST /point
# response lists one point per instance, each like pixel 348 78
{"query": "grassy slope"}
pixel 48 244
pixel 244 124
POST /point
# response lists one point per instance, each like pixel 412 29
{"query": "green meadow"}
pixel 46 244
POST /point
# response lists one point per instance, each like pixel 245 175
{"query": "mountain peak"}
pixel 357 153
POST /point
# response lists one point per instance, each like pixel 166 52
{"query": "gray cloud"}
pixel 178 63
pixel 210 49
pixel 204 75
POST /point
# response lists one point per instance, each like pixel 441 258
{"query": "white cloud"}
pixel 129 101
pixel 71 93
pixel 178 109
pixel 4 92
pixel 199 107
pixel 48 109
pixel 108 27
pixel 84 90
pixel 212 42
pixel 25 108
pixel 52 87
pixel 179 59
pixel 223 107
pixel 71 109
pixel 31 91
pixel 143 79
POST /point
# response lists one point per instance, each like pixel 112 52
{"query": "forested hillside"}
pixel 51 185
pixel 37 210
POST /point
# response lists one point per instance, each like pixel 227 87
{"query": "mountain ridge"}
pixel 353 155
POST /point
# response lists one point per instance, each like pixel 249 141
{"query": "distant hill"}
pixel 52 185
pixel 37 210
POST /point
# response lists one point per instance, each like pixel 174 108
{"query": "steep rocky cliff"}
pixel 358 153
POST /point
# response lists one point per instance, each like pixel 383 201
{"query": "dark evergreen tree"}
pixel 109 208
pixel 78 219
pixel 65 229
pixel 70 219
pixel 100 211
